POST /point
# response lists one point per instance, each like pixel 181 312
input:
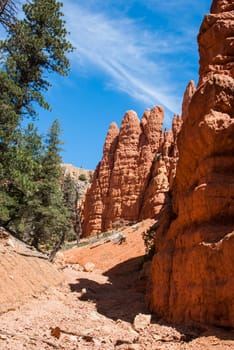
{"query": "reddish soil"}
pixel 103 309
pixel 108 255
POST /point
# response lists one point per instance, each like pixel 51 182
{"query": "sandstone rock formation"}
pixel 192 275
pixel 76 173
pixel 75 182
pixel 163 172
pixel 132 179
pixel 187 99
pixel 98 192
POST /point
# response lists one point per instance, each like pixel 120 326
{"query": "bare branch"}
pixel 7 11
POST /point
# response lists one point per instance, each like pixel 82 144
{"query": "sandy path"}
pixel 110 315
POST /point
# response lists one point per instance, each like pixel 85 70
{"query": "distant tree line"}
pixel 32 203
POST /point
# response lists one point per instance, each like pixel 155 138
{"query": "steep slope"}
pixel 24 272
pixel 192 274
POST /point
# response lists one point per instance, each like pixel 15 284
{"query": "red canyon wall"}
pixel 192 275
pixel 132 179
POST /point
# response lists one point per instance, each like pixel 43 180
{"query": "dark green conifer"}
pixel 51 218
pixel 31 201
pixel 35 45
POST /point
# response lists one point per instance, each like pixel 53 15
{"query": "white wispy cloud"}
pixel 136 61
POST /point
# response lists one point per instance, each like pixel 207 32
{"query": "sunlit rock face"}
pixel 132 180
pixel 187 99
pixel 192 274
pixel 123 173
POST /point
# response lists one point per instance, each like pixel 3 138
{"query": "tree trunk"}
pixel 56 247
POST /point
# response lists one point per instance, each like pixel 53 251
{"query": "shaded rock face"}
pixel 131 180
pixel 163 172
pixel 192 274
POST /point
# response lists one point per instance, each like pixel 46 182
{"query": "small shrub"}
pixel 148 238
pixel 82 177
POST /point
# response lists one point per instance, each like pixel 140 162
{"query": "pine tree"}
pixel 71 196
pixel 20 183
pixel 7 11
pixel 29 153
pixel 51 218
pixel 8 144
pixel 35 45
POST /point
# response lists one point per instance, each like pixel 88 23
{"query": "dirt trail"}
pixel 102 310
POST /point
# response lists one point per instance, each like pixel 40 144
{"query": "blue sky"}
pixel 129 55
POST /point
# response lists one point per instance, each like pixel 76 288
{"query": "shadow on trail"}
pixel 123 297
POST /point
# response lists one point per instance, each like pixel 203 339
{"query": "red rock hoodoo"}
pixel 192 274
pixel 132 180
pixel 187 99
pixel 162 172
